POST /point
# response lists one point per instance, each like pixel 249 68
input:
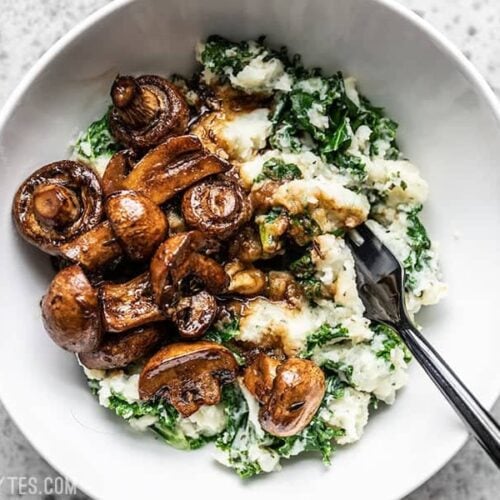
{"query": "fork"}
pixel 380 280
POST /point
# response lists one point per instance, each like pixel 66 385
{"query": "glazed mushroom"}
pixel 117 170
pixel 146 110
pixel 218 207
pixel 172 167
pixel 177 258
pixel 70 311
pixel 94 249
pixel 188 375
pixel 135 226
pixel 259 376
pixel 128 305
pixel 194 315
pixel 139 225
pixel 118 351
pixel 57 203
pixel 297 392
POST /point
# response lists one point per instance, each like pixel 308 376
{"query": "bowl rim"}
pixel 470 72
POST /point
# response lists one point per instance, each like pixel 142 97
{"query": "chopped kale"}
pixel 277 170
pixel 166 424
pixel 323 335
pixel 303 267
pixel 271 227
pixel 302 229
pixel 420 245
pixel 221 55
pixel 391 341
pixel 304 271
pixel 223 332
pixel 96 142
pixel 343 370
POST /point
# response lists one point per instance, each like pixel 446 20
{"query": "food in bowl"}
pixel 203 279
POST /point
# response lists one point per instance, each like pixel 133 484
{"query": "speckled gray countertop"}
pixel 29 27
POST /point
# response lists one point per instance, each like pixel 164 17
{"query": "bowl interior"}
pixel 447 126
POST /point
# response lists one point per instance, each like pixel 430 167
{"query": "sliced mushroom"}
pixel 118 351
pixel 297 392
pixel 177 258
pixel 117 171
pixel 244 279
pixel 128 305
pixel 188 375
pixel 259 376
pixel 146 110
pixel 218 207
pixel 137 222
pixel 70 311
pixel 57 203
pixel 173 166
pixel 194 315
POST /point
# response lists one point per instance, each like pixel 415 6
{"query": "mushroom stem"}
pixel 94 249
pixel 136 105
pixel 55 205
pixel 128 305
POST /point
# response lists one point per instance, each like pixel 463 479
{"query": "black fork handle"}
pixel 479 421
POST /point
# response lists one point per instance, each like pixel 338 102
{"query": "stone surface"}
pixel 29 27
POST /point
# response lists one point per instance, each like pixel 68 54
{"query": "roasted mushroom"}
pixel 193 315
pixel 128 305
pixel 218 207
pixel 118 351
pixel 172 167
pixel 117 170
pixel 146 110
pixel 57 203
pixel 297 392
pixel 177 258
pixel 137 222
pixel 135 226
pixel 188 375
pixel 70 311
pixel 94 249
pixel 259 376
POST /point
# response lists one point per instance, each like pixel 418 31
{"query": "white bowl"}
pixel 449 126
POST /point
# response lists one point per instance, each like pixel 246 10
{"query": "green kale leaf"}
pixel 323 335
pixel 96 143
pixel 420 245
pixel 277 170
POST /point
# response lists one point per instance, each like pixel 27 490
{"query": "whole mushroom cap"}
pixel 296 395
pixel 71 313
pixel 137 222
pixel 218 207
pixel 146 110
pixel 57 203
